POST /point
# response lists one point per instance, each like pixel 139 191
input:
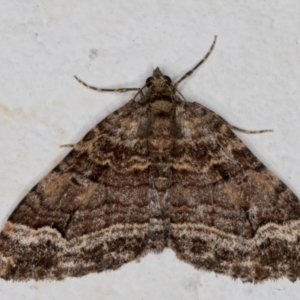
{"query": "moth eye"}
pixel 168 79
pixel 149 81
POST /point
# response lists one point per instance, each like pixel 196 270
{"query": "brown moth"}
pixel 158 172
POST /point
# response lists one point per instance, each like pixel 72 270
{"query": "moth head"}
pixel 158 78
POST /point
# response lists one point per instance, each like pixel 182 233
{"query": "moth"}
pixel 158 172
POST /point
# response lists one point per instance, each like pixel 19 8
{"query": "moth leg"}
pixel 180 94
pixel 244 130
pixel 139 93
pixel 249 131
pixel 119 90
pixel 67 146
pixel 189 73
pixel 231 126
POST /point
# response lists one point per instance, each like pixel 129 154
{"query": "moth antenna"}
pixel 118 90
pixel 189 73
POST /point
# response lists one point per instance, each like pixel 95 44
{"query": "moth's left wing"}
pixel 90 213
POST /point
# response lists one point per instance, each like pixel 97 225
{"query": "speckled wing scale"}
pixel 159 172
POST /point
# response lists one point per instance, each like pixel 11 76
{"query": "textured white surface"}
pixel 251 79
